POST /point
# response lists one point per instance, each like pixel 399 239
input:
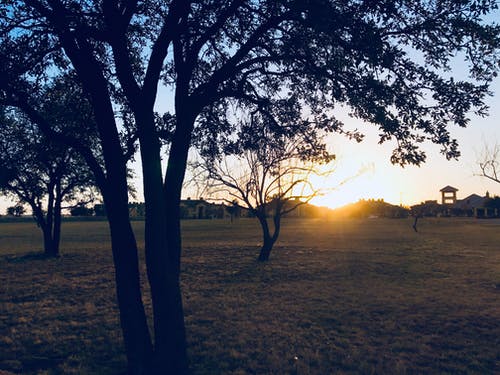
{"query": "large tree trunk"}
pixel 114 189
pixel 174 179
pixel 170 355
pixel 265 250
pixel 132 315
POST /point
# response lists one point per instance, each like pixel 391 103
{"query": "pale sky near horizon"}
pixel 381 179
pixel 411 185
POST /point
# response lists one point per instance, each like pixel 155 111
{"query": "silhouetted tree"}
pixel 267 173
pixel 41 174
pixel 233 209
pixel 386 60
pixel 17 210
pixel 81 210
pixel 490 163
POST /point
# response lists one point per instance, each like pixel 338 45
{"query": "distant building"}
pixel 448 195
pixel 201 209
pixel 472 206
pixel 428 208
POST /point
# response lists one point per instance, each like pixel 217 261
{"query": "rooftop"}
pixel 448 189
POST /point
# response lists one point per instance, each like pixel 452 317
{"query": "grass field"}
pixel 337 297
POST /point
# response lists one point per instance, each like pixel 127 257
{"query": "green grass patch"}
pixel 337 297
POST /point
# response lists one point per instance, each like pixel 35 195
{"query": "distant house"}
pixel 473 206
pixel 189 209
pixel 477 206
pixel 201 209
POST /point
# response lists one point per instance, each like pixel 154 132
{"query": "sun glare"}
pixel 368 183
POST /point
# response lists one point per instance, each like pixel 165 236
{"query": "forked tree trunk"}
pixel 42 221
pixel 162 255
pixel 51 227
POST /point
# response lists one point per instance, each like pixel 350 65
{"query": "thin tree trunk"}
pixel 48 242
pixel 268 240
pixel 48 238
pixel 56 225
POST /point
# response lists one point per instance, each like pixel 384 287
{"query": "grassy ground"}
pixel 340 297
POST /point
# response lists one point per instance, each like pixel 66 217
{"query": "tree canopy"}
pixel 384 59
pixel 267 173
pixel 41 172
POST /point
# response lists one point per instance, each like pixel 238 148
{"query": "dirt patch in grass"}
pixel 343 297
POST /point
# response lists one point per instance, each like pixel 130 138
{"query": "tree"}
pixel 386 60
pixel 268 174
pixel 81 210
pixel 233 209
pixel 490 163
pixel 16 210
pixel 40 173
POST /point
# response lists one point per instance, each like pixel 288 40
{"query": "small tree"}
pixel 41 174
pixel 233 209
pixel 16 210
pixel 268 173
pixel 489 163
pixel 81 210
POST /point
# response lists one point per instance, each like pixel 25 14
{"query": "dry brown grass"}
pixel 340 297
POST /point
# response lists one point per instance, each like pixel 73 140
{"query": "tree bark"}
pixel 114 189
pixel 132 315
pixel 48 239
pixel 265 250
pixel 170 355
pixel 174 179
pixel 48 243
pixel 42 222
pixel 56 223
pixel 268 239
